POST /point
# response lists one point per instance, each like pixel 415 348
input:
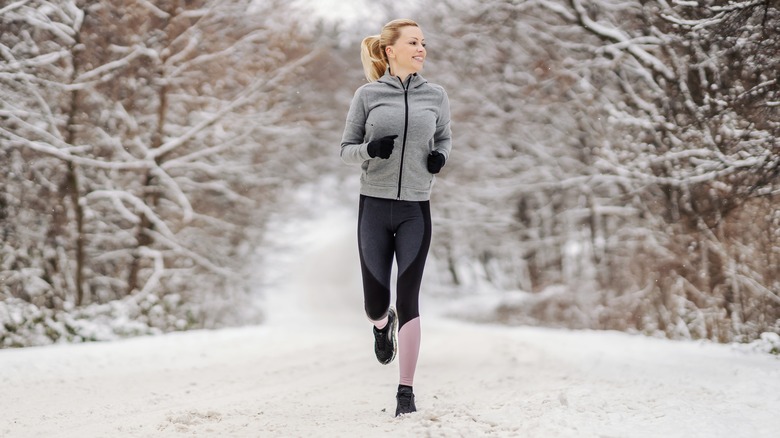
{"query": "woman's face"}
pixel 408 53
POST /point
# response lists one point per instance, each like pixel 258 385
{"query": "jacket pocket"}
pixel 381 173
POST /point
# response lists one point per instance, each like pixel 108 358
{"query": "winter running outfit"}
pixel 399 132
pixel 415 111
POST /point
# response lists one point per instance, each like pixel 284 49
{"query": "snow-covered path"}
pixel 310 371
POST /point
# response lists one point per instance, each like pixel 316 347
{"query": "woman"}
pixel 398 130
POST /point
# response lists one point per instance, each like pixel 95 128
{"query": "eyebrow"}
pixel 417 38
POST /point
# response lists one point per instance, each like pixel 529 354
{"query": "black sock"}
pixel 405 386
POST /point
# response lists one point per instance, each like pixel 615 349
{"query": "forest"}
pixel 615 164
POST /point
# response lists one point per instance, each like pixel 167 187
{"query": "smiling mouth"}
pixel 418 58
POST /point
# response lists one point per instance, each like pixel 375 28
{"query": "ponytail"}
pixel 372 49
pixel 373 57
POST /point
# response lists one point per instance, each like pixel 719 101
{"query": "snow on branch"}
pixel 66 155
pixel 77 13
pixel 642 40
pixel 733 6
pixel 720 13
pixel 682 155
pixel 116 65
pixel 748 280
pixel 200 260
pixel 698 24
pixel 558 9
pixel 216 222
pixel 62 31
pixel 13 6
pixel 193 44
pixel 123 210
pixel 246 96
pixel 159 268
pixel 121 196
pixel 178 194
pixel 624 41
pixel 220 187
pixel 735 269
pixel 199 14
pixel 716 171
pixel 41 82
pixel 758 88
pixel 185 160
pixel 45 59
pixel 154 9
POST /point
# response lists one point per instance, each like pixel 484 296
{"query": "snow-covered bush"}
pixel 25 324
pixel 768 342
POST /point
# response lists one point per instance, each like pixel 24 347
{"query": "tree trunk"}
pixel 72 179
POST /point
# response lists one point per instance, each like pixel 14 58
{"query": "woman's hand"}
pixel 381 148
pixel 435 162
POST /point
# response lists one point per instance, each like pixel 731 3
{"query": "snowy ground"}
pixel 310 371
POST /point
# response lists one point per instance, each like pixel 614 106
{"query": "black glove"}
pixel 435 161
pixel 381 148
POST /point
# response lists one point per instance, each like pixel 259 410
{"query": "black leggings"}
pixel 387 228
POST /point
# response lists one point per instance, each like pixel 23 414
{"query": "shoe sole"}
pixel 393 335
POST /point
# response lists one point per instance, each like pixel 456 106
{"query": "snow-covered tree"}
pixel 623 150
pixel 615 160
pixel 700 117
pixel 152 138
pixel 36 45
pixel 515 194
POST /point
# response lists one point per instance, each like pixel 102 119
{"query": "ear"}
pixel 389 52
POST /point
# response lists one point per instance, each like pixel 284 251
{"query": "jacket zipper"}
pixel 406 127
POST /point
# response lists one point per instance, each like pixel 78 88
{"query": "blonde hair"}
pixel 372 49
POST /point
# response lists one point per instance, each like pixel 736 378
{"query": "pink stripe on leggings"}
pixel 408 350
pixel 382 323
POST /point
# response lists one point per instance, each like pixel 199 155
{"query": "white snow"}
pixel 310 371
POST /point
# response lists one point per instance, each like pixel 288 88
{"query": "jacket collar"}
pixel 415 80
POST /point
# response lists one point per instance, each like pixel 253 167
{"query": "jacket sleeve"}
pixel 442 138
pixel 354 150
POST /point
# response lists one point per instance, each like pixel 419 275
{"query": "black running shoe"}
pixel 405 399
pixel 385 343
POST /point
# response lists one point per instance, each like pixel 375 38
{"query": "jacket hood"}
pixel 395 81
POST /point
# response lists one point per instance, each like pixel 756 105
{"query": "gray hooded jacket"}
pixel 416 111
